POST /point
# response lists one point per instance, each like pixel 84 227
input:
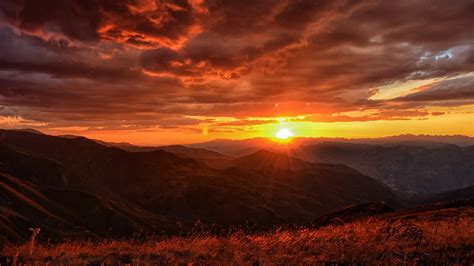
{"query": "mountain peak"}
pixel 267 160
pixel 29 130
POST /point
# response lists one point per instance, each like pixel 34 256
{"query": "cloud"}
pixel 137 22
pixel 446 90
pixel 95 62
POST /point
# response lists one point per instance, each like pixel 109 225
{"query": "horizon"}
pixel 299 129
pixel 271 139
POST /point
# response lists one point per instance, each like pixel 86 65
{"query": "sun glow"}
pixel 284 134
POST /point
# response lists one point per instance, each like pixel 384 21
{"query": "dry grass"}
pixel 370 241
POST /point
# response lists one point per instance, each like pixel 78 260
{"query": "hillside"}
pixel 207 156
pixel 414 166
pixel 157 187
pixel 68 213
pixel 414 171
pixel 454 195
pixel 438 234
pixel 266 160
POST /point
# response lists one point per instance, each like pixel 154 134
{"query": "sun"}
pixel 284 134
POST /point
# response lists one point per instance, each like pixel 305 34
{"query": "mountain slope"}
pixel 62 213
pixel 454 195
pixel 206 156
pixel 32 168
pixel 321 184
pixel 407 169
pixel 265 160
pixel 196 153
pixel 366 235
pixel 159 188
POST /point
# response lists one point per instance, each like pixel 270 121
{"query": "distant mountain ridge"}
pixel 466 194
pixel 408 169
pixel 459 140
pixel 437 164
pixel 411 178
pixel 238 148
pixel 180 150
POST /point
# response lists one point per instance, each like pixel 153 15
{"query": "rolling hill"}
pixel 160 188
pixel 65 213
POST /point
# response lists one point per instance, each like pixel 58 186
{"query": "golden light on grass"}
pixel 446 241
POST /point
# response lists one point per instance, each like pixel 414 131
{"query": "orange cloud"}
pixel 95 64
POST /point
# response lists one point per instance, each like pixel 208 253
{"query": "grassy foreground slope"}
pixel 439 234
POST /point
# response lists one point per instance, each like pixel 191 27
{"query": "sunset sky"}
pixel 158 72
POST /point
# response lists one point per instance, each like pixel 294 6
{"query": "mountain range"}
pixel 74 185
pixel 414 166
pixel 409 170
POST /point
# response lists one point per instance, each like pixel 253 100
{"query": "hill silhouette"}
pixel 160 189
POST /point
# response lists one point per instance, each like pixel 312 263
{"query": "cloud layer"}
pixel 141 64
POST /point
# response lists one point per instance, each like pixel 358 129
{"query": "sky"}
pixel 159 72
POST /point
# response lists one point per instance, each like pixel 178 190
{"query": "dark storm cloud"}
pixel 364 47
pixel 239 17
pixel 297 14
pixel 75 19
pixel 144 21
pixel 31 54
pixel 84 104
pixel 237 33
pixel 100 60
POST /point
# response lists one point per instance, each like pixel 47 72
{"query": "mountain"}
pixel 61 213
pixel 353 213
pixel 234 148
pixel 210 158
pixel 414 171
pixel 412 165
pixel 121 145
pixel 77 177
pixel 238 148
pixel 203 155
pixel 266 160
pixel 32 168
pixel 31 130
pixel 458 140
pixel 320 185
pixel 454 195
pixel 196 153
